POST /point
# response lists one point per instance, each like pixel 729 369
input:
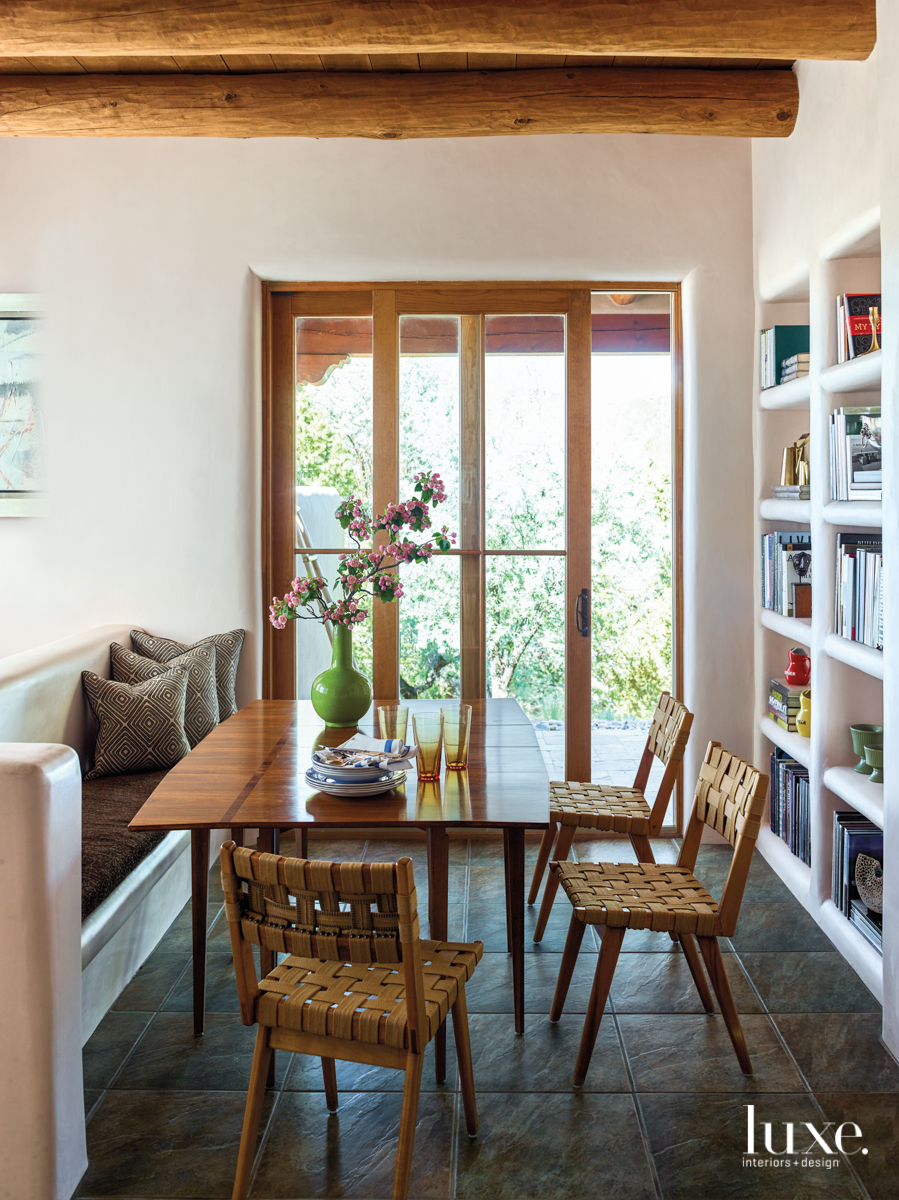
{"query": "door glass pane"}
pixel 524 414
pixel 334 460
pixel 632 598
pixel 525 604
pixel 429 441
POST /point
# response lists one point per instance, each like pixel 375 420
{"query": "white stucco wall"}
pixel 147 254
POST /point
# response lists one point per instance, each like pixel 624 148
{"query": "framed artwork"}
pixel 21 418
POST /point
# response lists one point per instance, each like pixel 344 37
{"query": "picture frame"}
pixel 21 417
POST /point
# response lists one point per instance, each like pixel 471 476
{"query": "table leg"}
pixel 267 843
pixel 302 841
pixel 199 873
pixel 508 898
pixel 438 899
pixel 513 846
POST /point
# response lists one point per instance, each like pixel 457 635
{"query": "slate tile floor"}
pixel 662 1113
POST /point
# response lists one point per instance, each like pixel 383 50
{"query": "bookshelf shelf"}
pixel 858 375
pixel 867 514
pixel 854 654
pixel 795 394
pixel 794 512
pixel 797 747
pixel 854 947
pixel 858 792
pixel 797 629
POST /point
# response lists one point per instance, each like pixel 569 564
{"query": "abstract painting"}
pixel 20 417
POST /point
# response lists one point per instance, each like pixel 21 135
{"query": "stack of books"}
pixel 779 346
pixel 786 573
pixel 794 367
pixel 789 806
pixel 858 608
pixel 790 491
pixel 856 469
pixel 783 704
pixel 854 835
pixel 854 333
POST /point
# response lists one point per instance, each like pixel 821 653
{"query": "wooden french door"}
pixel 383 321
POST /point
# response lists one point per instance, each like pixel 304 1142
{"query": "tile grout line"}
pixel 638 1108
pixel 853 1174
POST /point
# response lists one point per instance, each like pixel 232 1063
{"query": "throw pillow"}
pixel 141 725
pixel 227 656
pixel 201 706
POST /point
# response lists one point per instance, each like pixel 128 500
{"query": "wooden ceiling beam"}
pixel 823 29
pixel 388 106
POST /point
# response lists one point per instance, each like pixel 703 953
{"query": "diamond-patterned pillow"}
pixel 227 656
pixel 201 709
pixel 141 725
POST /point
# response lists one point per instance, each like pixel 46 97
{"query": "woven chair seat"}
pixel 363 1001
pixel 599 806
pixel 659 896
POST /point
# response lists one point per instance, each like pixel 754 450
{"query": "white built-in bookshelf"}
pixel 847 677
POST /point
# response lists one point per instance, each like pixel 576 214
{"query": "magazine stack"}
pixel 854 835
pixel 790 804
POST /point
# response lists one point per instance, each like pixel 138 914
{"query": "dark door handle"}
pixel 582 613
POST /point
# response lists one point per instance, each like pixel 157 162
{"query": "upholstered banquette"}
pixel 62 973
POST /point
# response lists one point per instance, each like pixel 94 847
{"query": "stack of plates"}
pixel 327 779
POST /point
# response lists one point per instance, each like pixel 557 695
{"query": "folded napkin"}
pixel 364 752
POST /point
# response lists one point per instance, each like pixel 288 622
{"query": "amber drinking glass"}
pixel 393 720
pixel 428 730
pixel 456 732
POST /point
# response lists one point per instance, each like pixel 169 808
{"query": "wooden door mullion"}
pixel 385 480
pixel 578 348
pixel 471 489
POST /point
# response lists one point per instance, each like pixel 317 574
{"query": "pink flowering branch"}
pixel 365 572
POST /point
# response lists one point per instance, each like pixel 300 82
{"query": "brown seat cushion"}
pixel 109 849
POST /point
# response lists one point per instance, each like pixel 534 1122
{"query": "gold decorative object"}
pixel 869 881
pixel 874 317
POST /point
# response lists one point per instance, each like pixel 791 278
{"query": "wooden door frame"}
pixel 385 302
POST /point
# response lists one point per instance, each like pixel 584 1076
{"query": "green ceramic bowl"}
pixel 862 736
pixel 874 755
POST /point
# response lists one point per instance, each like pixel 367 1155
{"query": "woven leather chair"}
pixel 574 806
pixel 730 797
pixel 358 984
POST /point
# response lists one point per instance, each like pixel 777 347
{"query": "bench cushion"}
pixel 110 850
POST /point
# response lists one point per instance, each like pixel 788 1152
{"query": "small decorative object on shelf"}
pixel 874 759
pixel 783 587
pixel 874 318
pixel 799 668
pixel 865 735
pixel 341 695
pixel 804 719
pixel 869 881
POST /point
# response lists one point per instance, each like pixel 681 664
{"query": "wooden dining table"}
pixel 249 773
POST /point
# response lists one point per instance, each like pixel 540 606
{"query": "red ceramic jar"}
pixel 799 669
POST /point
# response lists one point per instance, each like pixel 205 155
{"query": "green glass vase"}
pixel 341 695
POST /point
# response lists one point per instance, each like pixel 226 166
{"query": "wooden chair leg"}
pixel 408 1120
pixel 563 846
pixel 463 1055
pixel 576 931
pixel 546 846
pixel 691 955
pixel 329 1072
pixel 642 848
pixel 258 1074
pixel 602 982
pixel 711 954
